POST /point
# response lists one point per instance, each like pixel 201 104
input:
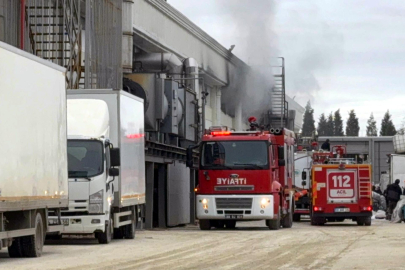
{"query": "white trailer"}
pixel 397 161
pixel 105 131
pixel 33 163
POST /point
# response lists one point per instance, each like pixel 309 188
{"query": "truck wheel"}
pixel 360 221
pixel 15 250
pixel 274 224
pixel 131 228
pixel 231 224
pixel 105 237
pixel 118 233
pixel 32 245
pixel 205 224
pixel 288 220
pixel 296 217
pixel 367 221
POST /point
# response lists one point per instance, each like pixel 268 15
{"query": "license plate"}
pixel 342 210
pixel 234 216
pixel 65 221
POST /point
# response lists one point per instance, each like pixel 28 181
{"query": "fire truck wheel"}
pixel 231 224
pixel 360 221
pixel 288 220
pixel 367 221
pixel 274 224
pixel 205 224
pixel 219 224
pixel 296 217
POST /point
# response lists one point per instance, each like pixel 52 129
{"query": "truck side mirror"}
pixel 281 152
pixel 115 159
pixel 281 162
pixel 114 172
pixel 304 176
pixel 189 157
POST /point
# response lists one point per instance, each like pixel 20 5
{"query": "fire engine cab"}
pixel 245 175
pixel 340 189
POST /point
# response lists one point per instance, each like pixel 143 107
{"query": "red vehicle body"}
pixel 340 189
pixel 246 175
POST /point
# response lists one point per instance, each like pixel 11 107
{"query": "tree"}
pixel 338 124
pixel 387 127
pixel 371 126
pixel 322 126
pixel 352 125
pixel 308 127
pixel 330 126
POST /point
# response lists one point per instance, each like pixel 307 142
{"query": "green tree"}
pixel 330 126
pixel 352 125
pixel 308 127
pixel 322 126
pixel 371 126
pixel 338 124
pixel 387 127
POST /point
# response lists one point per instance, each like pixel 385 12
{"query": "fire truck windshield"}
pixel 242 155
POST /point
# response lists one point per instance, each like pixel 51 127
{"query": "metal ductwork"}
pixel 158 62
pixel 193 83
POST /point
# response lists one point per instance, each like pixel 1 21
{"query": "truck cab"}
pixel 245 175
pixel 92 168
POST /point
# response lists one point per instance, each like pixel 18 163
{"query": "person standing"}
pixel 394 193
pixel 326 145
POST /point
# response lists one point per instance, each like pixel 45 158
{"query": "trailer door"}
pixel 342 185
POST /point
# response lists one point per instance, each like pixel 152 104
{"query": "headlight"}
pixel 264 202
pixel 96 202
pixel 205 203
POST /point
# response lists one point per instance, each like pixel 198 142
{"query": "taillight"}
pixel 367 208
pixel 318 209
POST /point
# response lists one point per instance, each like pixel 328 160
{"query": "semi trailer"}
pixel 245 175
pixel 33 164
pixel 106 164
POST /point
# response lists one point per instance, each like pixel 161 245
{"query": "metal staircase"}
pixel 278 114
pixel 55 34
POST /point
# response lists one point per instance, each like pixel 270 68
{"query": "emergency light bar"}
pixel 218 128
pixel 228 133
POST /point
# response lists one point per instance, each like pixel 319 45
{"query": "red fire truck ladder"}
pixel 363 174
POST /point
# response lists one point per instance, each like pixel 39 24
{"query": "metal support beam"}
pixel 162 200
pixel 150 179
pixel 192 196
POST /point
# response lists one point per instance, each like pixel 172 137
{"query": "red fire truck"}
pixel 245 175
pixel 340 188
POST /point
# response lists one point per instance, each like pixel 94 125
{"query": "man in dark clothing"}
pixel 326 145
pixel 394 193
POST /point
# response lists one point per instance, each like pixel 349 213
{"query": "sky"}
pixel 339 54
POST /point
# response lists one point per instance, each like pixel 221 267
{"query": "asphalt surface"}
pixel 251 245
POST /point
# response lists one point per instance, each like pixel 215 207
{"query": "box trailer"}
pixel 33 163
pixel 105 133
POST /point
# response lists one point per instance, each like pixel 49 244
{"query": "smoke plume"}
pixel 251 25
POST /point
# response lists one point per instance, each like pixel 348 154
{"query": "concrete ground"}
pixel 250 246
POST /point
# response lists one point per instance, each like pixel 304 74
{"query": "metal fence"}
pixel 103 44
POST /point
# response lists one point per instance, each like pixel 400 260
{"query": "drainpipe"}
pixel 218 107
pixel 22 21
pixel 238 116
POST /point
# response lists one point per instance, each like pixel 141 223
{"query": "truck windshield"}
pixel 249 155
pixel 85 158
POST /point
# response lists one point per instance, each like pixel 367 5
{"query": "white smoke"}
pixel 251 25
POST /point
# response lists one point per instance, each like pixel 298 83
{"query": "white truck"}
pixel 397 161
pixel 33 163
pixel 106 164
